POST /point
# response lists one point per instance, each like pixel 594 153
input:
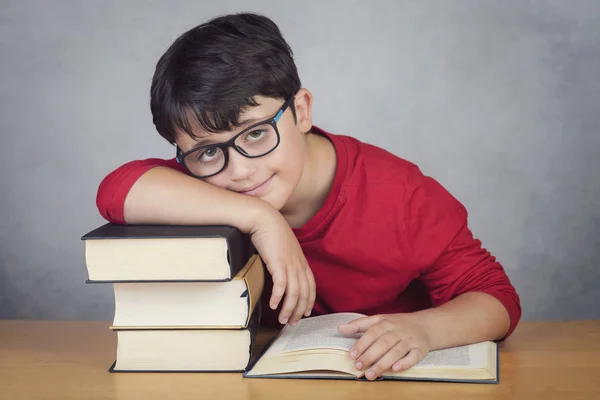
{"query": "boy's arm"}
pixel 399 341
pixel 115 187
pixel 158 192
pixel 451 260
pixel 473 297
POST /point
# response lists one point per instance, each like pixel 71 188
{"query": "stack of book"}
pixel 186 297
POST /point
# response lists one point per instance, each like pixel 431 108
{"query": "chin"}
pixel 275 203
pixel 275 200
pixel 275 196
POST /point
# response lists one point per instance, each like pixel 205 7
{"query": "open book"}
pixel 314 348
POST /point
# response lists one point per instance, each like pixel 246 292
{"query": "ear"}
pixel 303 106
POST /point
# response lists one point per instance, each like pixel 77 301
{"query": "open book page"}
pixel 475 355
pixel 455 356
pixel 315 333
pixel 315 348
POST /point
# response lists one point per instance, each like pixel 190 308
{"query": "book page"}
pixel 322 333
pixel 316 333
pixel 457 356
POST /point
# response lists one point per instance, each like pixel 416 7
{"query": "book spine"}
pixel 239 251
pixel 253 327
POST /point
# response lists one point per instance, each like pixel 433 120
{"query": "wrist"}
pixel 423 321
pixel 258 213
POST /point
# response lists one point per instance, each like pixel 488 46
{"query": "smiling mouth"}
pixel 253 190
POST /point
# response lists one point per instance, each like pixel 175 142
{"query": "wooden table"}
pixel 69 360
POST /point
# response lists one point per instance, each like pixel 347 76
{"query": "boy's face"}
pixel 274 176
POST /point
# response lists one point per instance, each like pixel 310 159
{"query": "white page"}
pixel 457 356
pixel 316 333
pixel 322 333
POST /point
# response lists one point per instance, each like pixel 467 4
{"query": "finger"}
pixel 279 284
pixel 366 340
pixel 376 350
pixel 312 292
pixel 412 358
pixel 359 325
pixel 302 299
pixel 292 292
pixel 399 352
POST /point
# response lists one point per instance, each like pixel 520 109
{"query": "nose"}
pixel 239 167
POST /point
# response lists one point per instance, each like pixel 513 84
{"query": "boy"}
pixel 341 225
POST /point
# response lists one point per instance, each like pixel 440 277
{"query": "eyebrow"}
pixel 250 121
pixel 206 140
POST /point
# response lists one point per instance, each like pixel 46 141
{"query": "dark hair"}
pixel 212 72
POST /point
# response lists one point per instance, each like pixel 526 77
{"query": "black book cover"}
pixel 239 245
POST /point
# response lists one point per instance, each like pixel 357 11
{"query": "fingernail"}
pixel 353 354
pixel 396 367
pixel 283 321
pixel 358 365
pixel 307 314
pixel 370 374
pixel 293 323
pixel 273 306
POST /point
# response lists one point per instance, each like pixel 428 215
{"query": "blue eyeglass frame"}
pixel 180 156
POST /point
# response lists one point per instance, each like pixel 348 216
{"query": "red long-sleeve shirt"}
pixel 387 239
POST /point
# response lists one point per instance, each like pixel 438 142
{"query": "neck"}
pixel 315 183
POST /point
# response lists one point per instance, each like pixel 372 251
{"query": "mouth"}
pixel 257 190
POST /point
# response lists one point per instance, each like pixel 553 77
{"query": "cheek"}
pixel 290 161
pixel 217 180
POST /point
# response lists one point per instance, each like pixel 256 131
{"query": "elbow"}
pixel 509 298
pixel 107 201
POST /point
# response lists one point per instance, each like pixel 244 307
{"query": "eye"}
pixel 255 135
pixel 208 155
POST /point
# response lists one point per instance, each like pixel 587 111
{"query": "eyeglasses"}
pixel 255 141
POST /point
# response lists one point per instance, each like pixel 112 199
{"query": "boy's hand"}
pixel 278 247
pixel 395 341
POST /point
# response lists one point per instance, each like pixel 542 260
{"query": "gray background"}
pixel 498 100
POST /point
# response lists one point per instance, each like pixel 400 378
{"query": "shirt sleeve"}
pixel 114 188
pixel 450 260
